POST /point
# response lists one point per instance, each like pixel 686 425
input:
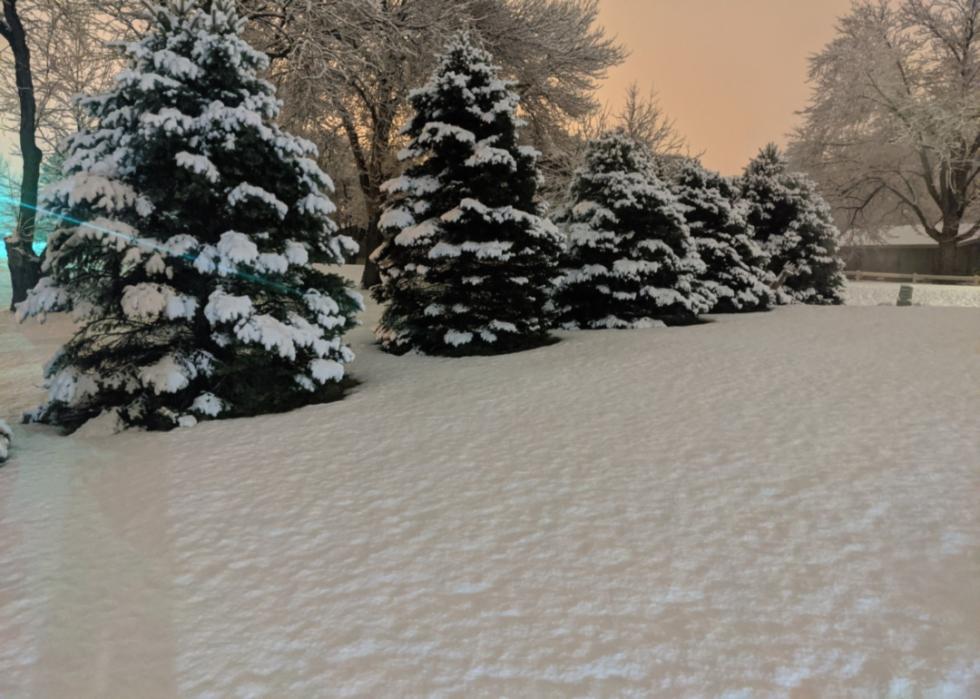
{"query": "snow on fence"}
pixel 882 293
pixel 914 277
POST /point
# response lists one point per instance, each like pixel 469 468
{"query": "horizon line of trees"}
pixel 892 134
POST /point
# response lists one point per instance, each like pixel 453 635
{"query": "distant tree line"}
pixel 892 133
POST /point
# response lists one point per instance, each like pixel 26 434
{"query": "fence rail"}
pixel 914 277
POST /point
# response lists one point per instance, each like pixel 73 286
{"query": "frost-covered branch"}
pixel 892 133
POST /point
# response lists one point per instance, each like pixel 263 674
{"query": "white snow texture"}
pixel 886 294
pixel 770 505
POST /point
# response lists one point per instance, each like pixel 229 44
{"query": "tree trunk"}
pixel 24 271
pixel 372 240
pixel 369 180
pixel 948 253
pixel 24 264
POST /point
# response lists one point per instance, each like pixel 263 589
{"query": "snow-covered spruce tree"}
pixel 796 228
pixel 631 261
pixel 737 273
pixel 190 224
pixel 469 266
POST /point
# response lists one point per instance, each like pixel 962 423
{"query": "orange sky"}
pixel 732 73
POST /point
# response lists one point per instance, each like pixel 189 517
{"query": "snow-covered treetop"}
pixel 769 163
pixel 465 77
pixel 711 194
pixel 197 45
pixel 463 144
pixel 617 151
pixel 618 175
pixel 191 93
pixel 768 179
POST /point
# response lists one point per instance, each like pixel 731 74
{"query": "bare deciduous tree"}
pixel 24 265
pixel 893 130
pixel 643 119
pixel 59 50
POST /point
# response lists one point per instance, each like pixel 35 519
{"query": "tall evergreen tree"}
pixel 470 266
pixel 736 272
pixel 190 223
pixel 796 227
pixel 631 261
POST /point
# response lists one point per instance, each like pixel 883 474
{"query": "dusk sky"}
pixel 732 73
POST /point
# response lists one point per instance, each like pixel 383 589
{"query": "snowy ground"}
pixel 774 505
pixel 886 294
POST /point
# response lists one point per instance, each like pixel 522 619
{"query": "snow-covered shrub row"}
pixel 192 276
pixel 470 265
pixel 642 251
pixel 6 437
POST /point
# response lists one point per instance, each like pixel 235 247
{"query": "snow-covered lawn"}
pixel 886 294
pixel 776 505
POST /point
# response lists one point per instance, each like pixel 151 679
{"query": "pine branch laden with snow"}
pixel 736 274
pixel 796 228
pixel 6 437
pixel 469 266
pixel 190 225
pixel 631 261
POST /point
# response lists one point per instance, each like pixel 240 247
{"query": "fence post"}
pixel 915 278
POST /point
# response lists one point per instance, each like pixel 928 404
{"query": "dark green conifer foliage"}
pixel 190 222
pixel 631 261
pixel 470 266
pixel 736 271
pixel 796 228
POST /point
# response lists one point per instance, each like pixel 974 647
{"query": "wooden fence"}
pixel 914 278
